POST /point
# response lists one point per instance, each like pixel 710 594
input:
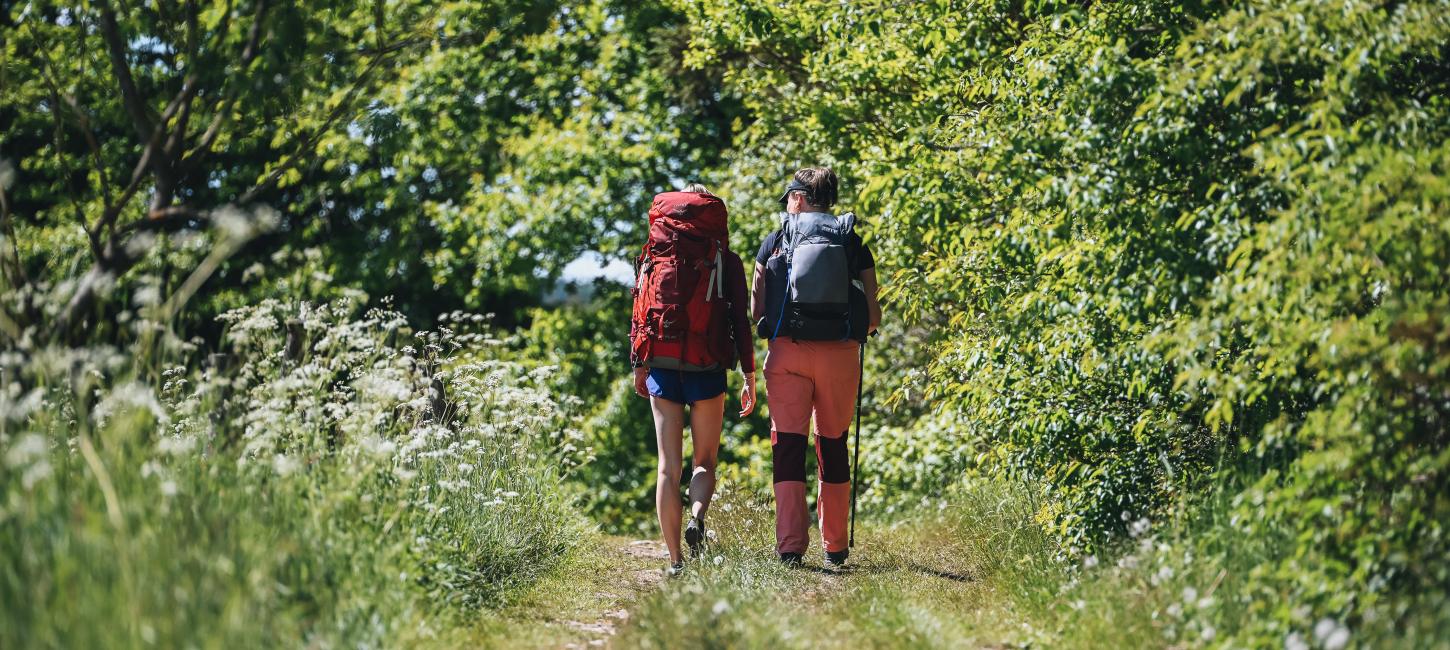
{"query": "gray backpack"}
pixel 817 301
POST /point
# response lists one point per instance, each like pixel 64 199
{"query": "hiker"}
pixel 689 327
pixel 814 299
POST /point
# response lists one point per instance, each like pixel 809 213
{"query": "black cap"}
pixel 793 186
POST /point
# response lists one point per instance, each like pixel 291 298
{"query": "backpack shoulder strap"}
pixel 787 236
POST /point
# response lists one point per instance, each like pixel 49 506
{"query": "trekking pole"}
pixel 856 458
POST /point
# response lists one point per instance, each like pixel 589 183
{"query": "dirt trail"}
pixel 635 569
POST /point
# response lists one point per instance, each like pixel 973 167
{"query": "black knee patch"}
pixel 788 456
pixel 835 464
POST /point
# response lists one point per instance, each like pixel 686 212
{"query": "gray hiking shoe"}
pixel 695 535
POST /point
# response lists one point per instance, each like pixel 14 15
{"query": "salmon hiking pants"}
pixel 805 379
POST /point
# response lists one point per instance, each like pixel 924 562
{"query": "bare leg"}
pixel 669 433
pixel 706 419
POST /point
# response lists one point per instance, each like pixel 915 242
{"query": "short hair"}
pixel 822 183
pixel 696 187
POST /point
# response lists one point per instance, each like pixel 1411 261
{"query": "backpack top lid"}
pixel 815 227
pixel 697 213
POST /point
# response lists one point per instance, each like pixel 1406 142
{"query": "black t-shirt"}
pixel 856 250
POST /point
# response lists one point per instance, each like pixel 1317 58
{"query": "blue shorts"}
pixel 684 386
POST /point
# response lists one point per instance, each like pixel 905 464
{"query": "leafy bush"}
pixel 1164 249
pixel 320 497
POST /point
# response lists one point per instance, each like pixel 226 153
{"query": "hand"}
pixel 640 388
pixel 747 396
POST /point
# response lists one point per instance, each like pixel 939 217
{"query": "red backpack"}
pixel 681 317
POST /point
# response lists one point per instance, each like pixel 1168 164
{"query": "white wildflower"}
pixel 146 296
pixel 720 607
pixel 1295 641
pixel 1209 633
pixel 284 464
pixel 36 473
pixel 16 410
pixel 232 223
pixel 1090 561
pixel 718 560
pixel 253 272
pixel 176 445
pixel 25 450
pixel 1190 595
pixel 168 488
pixel 377 446
pixel 1331 634
pixel 1137 528
pixel 130 395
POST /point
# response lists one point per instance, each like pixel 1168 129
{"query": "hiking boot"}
pixel 695 535
pixel 791 559
pixel 675 570
pixel 837 559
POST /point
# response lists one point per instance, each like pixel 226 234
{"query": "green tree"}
pixel 452 155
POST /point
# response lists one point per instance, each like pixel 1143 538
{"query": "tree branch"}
pixel 116 49
pixel 223 110
pixel 271 178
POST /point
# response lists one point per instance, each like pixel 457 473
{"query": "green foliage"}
pixel 1172 262
pixel 446 154
pixel 1158 246
pixel 317 500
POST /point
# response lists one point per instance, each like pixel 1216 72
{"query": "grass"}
pixel 324 501
pixel 979 573
pixel 918 583
pixel 320 501
pixel 582 599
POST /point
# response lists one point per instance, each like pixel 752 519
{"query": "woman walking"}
pixel 689 327
pixel 815 300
